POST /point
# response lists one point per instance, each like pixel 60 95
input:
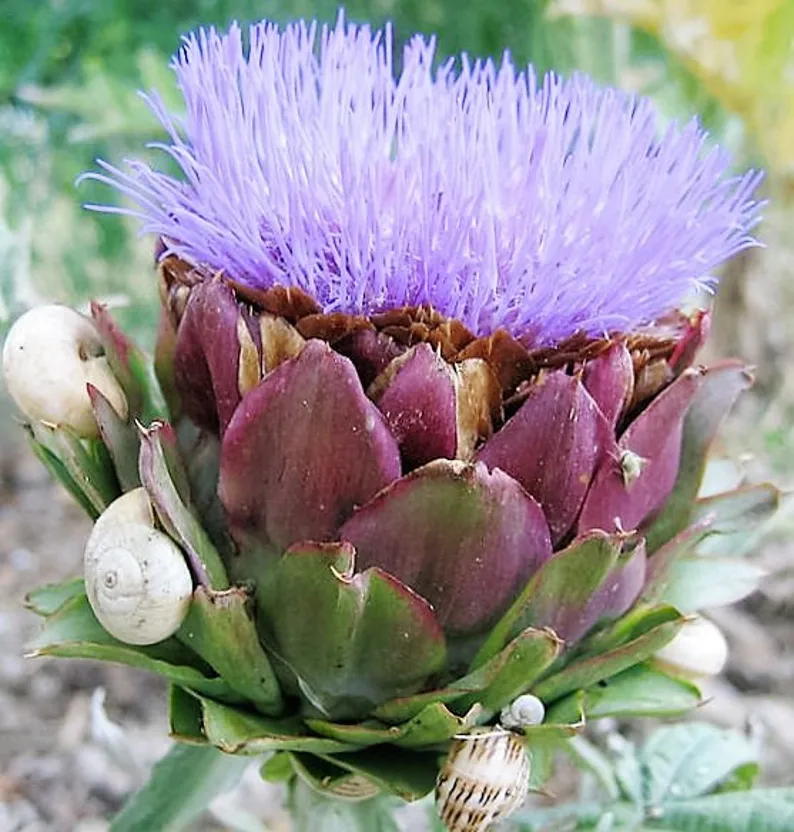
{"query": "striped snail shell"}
pixel 485 778
pixel 354 788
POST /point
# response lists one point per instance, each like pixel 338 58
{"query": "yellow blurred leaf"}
pixel 742 51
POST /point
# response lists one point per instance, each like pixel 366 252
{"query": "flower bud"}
pixel 698 650
pixel 50 355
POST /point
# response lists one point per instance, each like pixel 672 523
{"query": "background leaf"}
pixel 698 583
pixel 739 52
pixel 313 812
pixel 692 759
pixel 762 810
pixel 181 787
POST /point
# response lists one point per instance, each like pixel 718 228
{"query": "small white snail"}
pixel 526 710
pixel 698 650
pixel 49 356
pixel 136 577
pixel 485 778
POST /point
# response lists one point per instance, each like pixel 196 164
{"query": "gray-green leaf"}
pixel 181 787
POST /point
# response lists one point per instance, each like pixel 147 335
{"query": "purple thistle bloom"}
pixel 543 206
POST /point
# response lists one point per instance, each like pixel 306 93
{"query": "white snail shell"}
pixel 485 778
pixel 136 577
pixel 526 710
pixel 49 356
pixel 131 507
pixel 698 650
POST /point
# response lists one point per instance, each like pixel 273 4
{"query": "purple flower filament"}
pixel 544 206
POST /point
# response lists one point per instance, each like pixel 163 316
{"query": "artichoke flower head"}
pixel 433 427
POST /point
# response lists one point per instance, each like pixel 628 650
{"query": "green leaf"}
pixel 720 388
pixel 621 817
pixel 221 630
pixel 742 779
pixel 45 600
pixel 82 466
pixel 133 369
pixel 181 787
pixel 73 632
pixel 277 768
pixel 352 641
pixel 756 811
pixel 162 483
pixel 561 587
pixel 640 620
pixel 326 798
pixel 326 778
pixel 314 813
pixel 431 726
pixel 697 583
pixel 639 691
pixel 175 460
pixel 184 716
pixel 120 437
pixel 589 671
pixel 544 741
pixel 406 774
pixel 400 710
pixel 513 670
pixel 555 733
pixel 542 752
pixel 60 473
pixel 661 564
pixel 588 757
pixel 759 810
pixel 237 731
pixel 628 771
pixel 736 511
pixel 690 760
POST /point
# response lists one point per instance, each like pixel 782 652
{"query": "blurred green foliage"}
pixel 69 75
pixel 741 51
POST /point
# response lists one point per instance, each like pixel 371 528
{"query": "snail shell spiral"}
pixel 484 779
pixel 137 582
pixel 522 712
